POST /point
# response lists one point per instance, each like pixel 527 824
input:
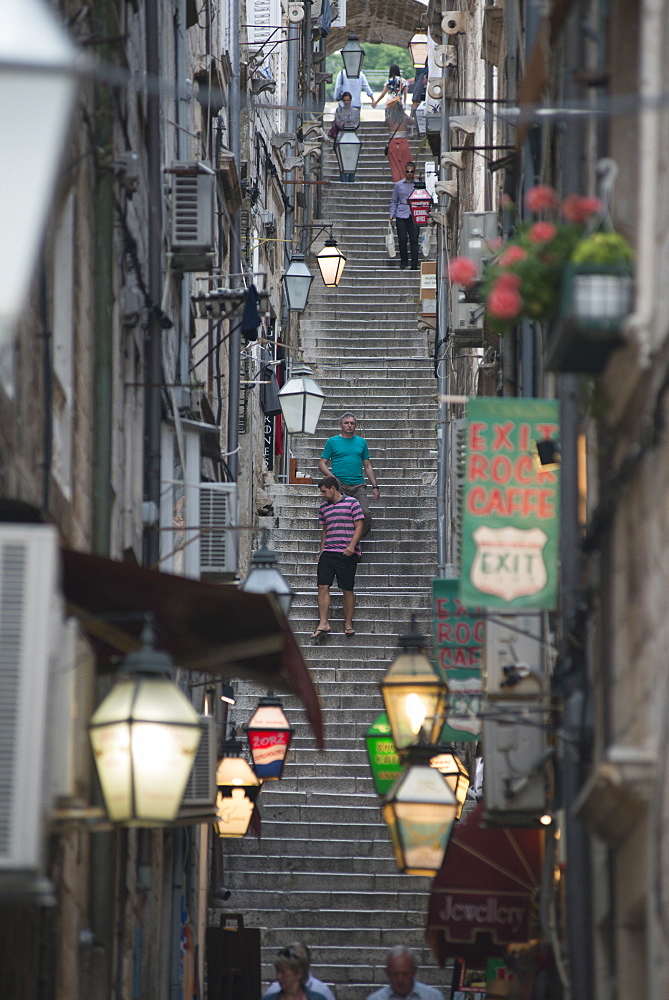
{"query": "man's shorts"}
pixel 333 564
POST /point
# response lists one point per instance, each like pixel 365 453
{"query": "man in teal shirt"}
pixel 348 456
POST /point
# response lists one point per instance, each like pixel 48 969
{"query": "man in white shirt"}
pixel 401 970
pixel 354 85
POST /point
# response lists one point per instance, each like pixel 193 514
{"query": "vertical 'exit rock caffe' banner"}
pixel 511 516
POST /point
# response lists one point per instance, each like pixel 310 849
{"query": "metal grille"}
pixel 201 787
pixel 12 599
pixel 185 210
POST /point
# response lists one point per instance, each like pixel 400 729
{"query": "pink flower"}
pixel 504 302
pixel 541 232
pixel 507 279
pixel 578 210
pixel 512 255
pixel 540 198
pixel 462 271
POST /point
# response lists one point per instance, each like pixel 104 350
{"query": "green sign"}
pixel 458 643
pixel 383 757
pixel 510 515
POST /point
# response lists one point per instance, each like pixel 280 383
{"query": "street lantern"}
pixel 418 49
pixel 353 57
pixel 447 761
pixel 331 262
pixel 383 758
pixel 297 282
pixel 347 149
pixel 265 577
pixel 238 787
pixel 269 734
pixel 37 84
pixel 144 736
pixel 301 401
pixel 420 811
pixel 413 693
pixel 420 203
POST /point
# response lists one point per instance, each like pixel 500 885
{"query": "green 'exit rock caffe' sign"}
pixel 510 517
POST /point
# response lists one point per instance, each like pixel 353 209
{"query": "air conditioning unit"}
pixel 515 755
pixel 201 787
pixel 192 204
pixel 466 319
pixel 218 521
pixel 479 232
pixel 30 618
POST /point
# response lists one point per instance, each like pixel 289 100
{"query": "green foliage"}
pixel 603 249
pixel 378 59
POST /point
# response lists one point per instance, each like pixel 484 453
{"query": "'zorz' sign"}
pixel 510 517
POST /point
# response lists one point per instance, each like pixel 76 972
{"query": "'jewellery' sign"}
pixel 510 517
pixel 507 917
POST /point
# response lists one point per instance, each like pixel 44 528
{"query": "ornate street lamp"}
pixel 420 811
pixel 301 401
pixel 269 734
pixel 237 790
pixel 144 736
pixel 418 49
pixel 447 761
pixel 383 758
pixel 347 149
pixel 38 67
pixel 413 693
pixel 420 203
pixel 331 262
pixel 353 57
pixel 265 577
pixel 297 282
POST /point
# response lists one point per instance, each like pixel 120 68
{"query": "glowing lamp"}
pixel 144 736
pixel 269 735
pixel 238 787
pixel 455 772
pixel 418 49
pixel 331 262
pixel 413 693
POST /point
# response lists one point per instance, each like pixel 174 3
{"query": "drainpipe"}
pixel 234 126
pixel 308 56
pixel 293 47
pixel 152 342
pixel 442 352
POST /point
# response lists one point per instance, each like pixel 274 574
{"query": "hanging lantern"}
pixel 297 282
pixel 237 790
pixel 413 692
pixel 331 262
pixel 420 203
pixel 144 736
pixel 383 758
pixel 269 735
pixel 418 49
pixel 265 577
pixel 301 401
pixel 455 772
pixel 38 80
pixel 353 57
pixel 347 150
pixel 420 811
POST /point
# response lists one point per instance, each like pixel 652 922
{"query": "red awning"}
pixel 485 895
pixel 212 628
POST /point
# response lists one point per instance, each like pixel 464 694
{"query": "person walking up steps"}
pixel 341 520
pixel 348 456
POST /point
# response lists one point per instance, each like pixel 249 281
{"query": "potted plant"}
pixel 560 269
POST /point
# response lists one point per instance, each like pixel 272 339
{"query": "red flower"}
pixel 509 280
pixel 462 271
pixel 504 302
pixel 578 210
pixel 540 198
pixel 512 255
pixel 541 232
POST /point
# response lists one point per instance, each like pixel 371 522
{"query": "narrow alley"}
pixel 325 863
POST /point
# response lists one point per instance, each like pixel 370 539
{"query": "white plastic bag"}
pixel 390 241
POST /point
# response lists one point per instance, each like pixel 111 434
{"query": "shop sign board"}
pixel 458 642
pixel 511 515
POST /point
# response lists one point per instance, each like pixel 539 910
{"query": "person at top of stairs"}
pixel 341 520
pixel 292 972
pixel 315 985
pixel 349 460
pixel 401 969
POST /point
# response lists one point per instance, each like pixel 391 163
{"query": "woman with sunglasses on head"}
pixel 293 979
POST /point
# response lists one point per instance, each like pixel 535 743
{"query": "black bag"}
pixel 385 151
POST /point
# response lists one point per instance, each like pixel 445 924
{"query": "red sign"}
pixel 420 203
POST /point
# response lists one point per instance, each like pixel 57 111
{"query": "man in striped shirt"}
pixel 341 520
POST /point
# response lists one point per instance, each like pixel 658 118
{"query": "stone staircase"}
pixel 323 871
